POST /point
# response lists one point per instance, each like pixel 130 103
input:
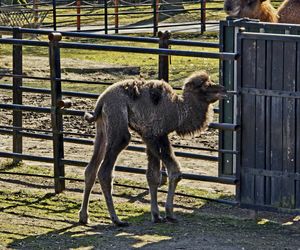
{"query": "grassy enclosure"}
pixel 33 217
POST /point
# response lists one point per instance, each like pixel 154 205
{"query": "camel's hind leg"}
pixel 91 171
pixel 153 176
pixel 174 174
pixel 118 138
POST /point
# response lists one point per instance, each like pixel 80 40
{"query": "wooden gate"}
pixel 266 78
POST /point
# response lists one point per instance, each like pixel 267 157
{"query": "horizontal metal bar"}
pixel 121 37
pixel 269 92
pixel 24 42
pixel 26 174
pixel 66 93
pixel 6 86
pixel 143 149
pixel 26 157
pixel 25 108
pixel 73 112
pixel 214 55
pixel 223 180
pixel 193 43
pixel 269 36
pixel 25 129
pixel 9 130
pixel 225 126
pixel 26 77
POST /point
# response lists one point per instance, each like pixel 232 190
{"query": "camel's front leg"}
pixel 174 174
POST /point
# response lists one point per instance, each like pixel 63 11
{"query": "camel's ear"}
pixel 262 1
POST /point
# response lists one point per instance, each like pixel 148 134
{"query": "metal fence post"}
pixel 105 17
pixel 203 15
pixel 17 93
pixel 54 14
pixel 155 16
pixel 56 115
pixel 163 60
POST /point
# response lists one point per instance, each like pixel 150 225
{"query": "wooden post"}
pixel 17 93
pixel 116 3
pixel 56 115
pixel 78 11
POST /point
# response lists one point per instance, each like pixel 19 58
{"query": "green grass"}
pixel 33 217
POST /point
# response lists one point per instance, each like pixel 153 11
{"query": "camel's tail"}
pixel 92 117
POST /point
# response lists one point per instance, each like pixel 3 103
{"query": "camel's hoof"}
pixel 83 218
pixel 171 219
pixel 121 224
pixel 159 219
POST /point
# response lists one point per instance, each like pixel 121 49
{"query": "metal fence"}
pixel 113 15
pixel 59 106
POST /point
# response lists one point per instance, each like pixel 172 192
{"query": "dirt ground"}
pixel 202 226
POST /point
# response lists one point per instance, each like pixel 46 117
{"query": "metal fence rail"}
pixel 107 16
pixel 58 108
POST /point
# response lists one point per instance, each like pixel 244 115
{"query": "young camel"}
pixel 288 11
pixel 153 110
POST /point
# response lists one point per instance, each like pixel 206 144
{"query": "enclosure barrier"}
pixel 59 106
pixel 266 77
pixel 107 16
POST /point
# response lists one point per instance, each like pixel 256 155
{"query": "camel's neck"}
pixel 194 115
pixel 268 13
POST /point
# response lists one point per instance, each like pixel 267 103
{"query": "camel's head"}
pixel 200 85
pixel 242 8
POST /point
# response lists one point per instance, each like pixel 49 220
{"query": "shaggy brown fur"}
pixel 153 110
pixel 288 12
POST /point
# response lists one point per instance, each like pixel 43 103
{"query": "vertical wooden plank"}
pixel 248 121
pixel 297 190
pixel 288 185
pixel 260 122
pixel 276 122
pixel 239 117
pixel 268 121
